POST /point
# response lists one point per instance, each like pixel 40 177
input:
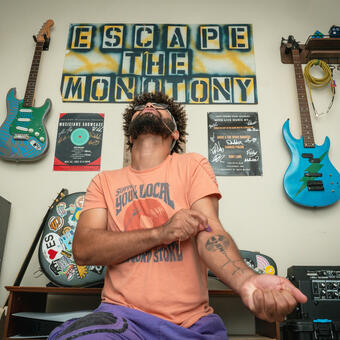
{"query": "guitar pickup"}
pixel 307 155
pixel 25 120
pixel 313 174
pixel 314 183
pixel 21 136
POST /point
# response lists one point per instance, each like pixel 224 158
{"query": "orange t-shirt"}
pixel 168 281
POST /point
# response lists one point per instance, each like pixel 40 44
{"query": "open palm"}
pixel 270 297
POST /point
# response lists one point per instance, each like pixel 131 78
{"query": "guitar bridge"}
pixel 315 186
pixel 21 136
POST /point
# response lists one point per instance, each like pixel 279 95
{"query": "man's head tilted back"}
pixel 134 124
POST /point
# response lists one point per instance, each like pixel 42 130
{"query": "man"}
pixel 155 225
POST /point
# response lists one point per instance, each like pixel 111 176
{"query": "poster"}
pixel 79 142
pixel 194 64
pixel 234 143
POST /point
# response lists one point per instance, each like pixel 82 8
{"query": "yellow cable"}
pixel 319 82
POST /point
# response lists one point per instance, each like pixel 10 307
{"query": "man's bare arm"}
pixel 217 248
pixel 269 297
pixel 94 244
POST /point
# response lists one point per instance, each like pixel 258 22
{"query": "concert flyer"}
pixel 79 142
pixel 234 143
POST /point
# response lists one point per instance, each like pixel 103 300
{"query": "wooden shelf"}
pixel 34 299
pixel 326 49
pixel 55 290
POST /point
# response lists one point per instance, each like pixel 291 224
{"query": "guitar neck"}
pixel 32 79
pixel 306 124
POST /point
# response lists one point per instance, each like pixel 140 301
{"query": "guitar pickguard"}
pixel 23 136
pixel 310 180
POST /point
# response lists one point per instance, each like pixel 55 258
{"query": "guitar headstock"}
pixel 290 44
pixel 44 34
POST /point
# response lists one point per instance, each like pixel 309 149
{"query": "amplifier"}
pixel 321 284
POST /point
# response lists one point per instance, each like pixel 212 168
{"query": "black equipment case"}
pixel 321 285
pixel 322 329
pixel 319 318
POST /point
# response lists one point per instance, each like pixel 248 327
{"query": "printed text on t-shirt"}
pixel 127 194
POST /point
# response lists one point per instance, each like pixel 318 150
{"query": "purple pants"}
pixel 117 322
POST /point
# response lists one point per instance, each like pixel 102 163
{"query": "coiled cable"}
pixel 319 82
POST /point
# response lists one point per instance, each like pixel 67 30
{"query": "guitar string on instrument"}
pixel 310 179
pixel 23 136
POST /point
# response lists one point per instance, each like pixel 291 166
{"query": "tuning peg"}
pixel 46 43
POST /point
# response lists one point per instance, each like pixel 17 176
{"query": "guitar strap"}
pixel 29 255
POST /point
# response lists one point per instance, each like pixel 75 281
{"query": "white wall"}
pixel 254 210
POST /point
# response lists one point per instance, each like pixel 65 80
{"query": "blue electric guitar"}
pixel 310 180
pixel 23 136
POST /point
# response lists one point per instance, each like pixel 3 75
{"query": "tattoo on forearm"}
pixel 220 244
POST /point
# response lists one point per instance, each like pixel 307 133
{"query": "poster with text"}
pixel 234 143
pixel 79 142
pixel 192 63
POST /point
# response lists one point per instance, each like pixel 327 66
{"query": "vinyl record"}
pixel 80 136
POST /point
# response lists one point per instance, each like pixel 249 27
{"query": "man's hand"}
pixel 270 297
pixel 183 225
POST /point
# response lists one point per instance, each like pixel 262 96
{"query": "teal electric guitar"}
pixel 23 136
pixel 310 180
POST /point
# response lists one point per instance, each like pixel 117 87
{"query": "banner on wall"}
pixel 234 143
pixel 79 142
pixel 194 64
